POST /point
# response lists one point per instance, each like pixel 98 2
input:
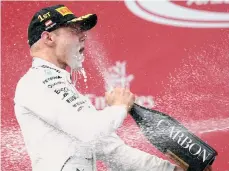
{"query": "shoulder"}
pixel 36 77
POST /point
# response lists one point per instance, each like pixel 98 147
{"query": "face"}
pixel 69 46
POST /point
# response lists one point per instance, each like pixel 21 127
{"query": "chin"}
pixel 76 67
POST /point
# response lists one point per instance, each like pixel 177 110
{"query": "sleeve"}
pixel 119 156
pixel 53 99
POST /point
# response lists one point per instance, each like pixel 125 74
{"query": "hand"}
pixel 209 168
pixel 178 169
pixel 120 96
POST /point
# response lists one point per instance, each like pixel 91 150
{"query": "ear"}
pixel 48 38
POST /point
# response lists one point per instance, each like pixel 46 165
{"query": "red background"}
pixel 186 70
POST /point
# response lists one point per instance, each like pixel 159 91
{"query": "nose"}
pixel 82 36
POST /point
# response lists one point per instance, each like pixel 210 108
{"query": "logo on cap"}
pixel 64 11
pixel 48 23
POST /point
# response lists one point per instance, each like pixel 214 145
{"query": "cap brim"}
pixel 86 22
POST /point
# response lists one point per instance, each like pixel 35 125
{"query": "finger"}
pixel 208 168
pixel 127 89
pixel 118 90
pixel 134 97
pixel 127 93
pixel 131 95
pixel 108 94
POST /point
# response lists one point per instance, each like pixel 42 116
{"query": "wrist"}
pixel 121 105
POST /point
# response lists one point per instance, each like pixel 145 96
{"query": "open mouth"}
pixel 81 50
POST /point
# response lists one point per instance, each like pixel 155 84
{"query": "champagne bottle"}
pixel 173 139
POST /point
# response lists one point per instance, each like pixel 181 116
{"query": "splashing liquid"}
pixel 83 72
pixel 98 58
pixel 73 76
pixel 76 74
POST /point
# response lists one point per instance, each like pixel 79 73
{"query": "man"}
pixel 61 128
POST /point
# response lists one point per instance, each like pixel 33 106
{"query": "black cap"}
pixel 51 18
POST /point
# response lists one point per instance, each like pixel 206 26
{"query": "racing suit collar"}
pixel 41 62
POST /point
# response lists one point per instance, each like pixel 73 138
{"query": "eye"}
pixel 75 31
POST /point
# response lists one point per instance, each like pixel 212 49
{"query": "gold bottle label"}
pixel 177 160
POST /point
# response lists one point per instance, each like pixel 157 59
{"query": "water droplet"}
pixel 83 72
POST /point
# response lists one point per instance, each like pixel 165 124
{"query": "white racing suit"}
pixel 64 132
